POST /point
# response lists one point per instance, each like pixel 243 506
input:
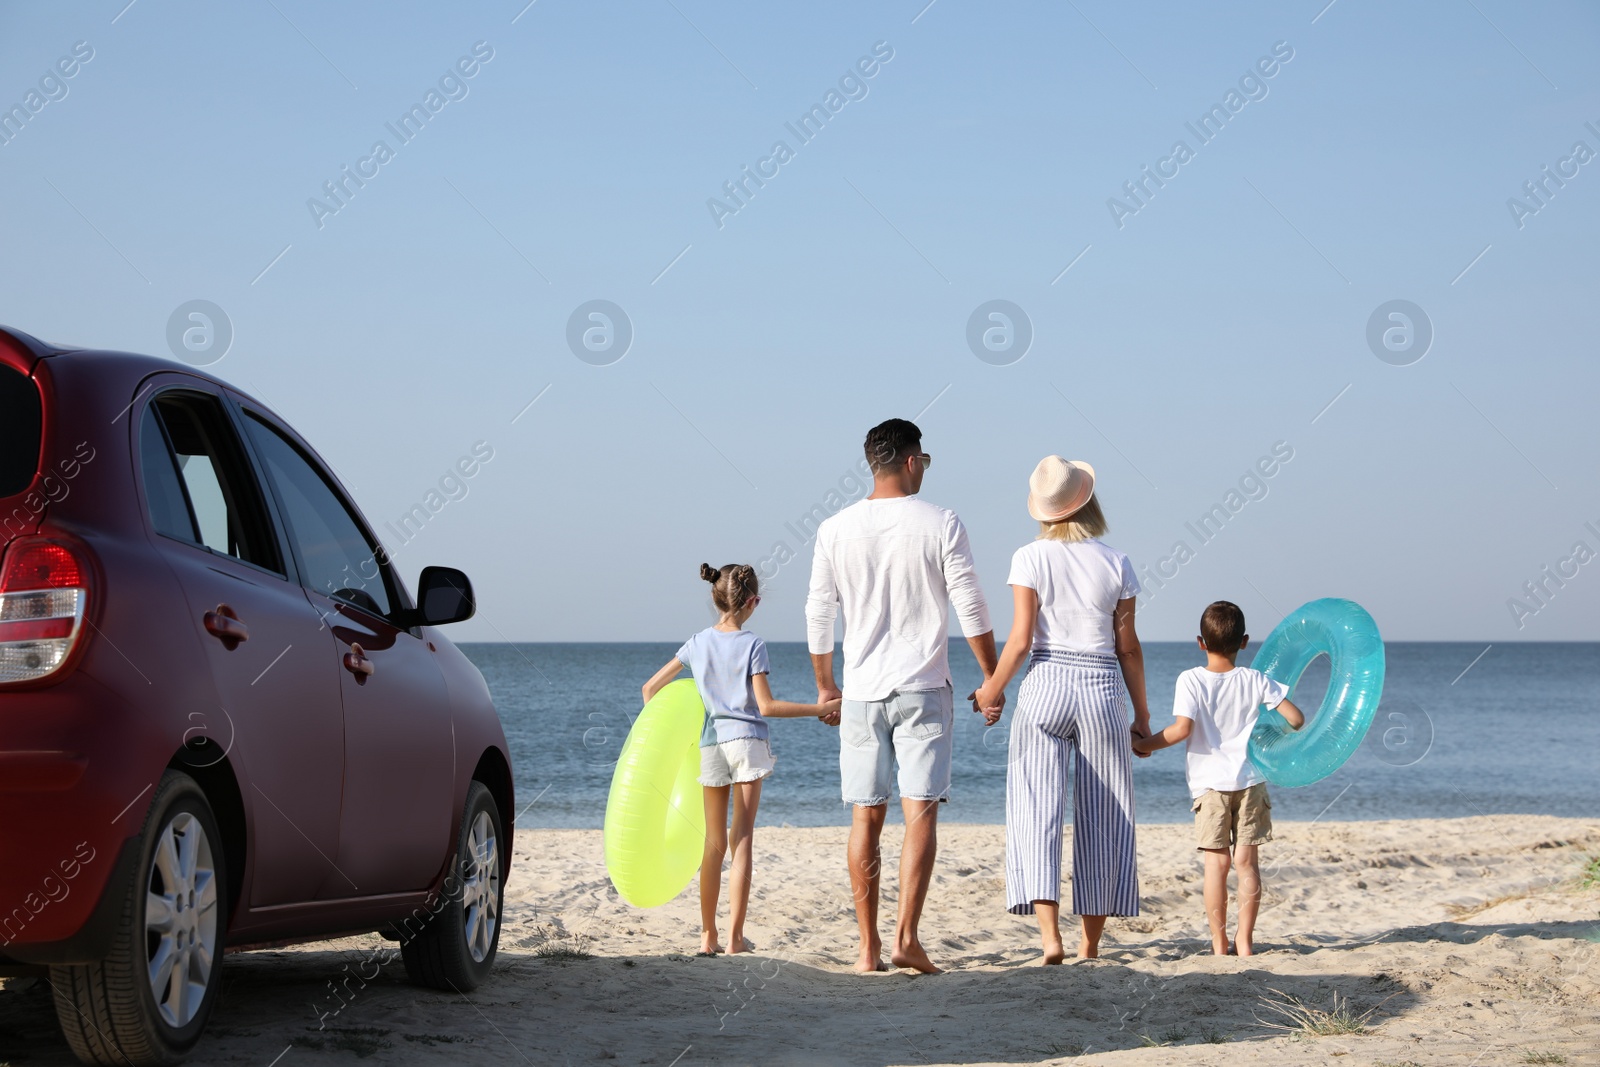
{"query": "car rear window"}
pixel 20 417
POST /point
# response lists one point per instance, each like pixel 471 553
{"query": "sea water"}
pixel 1463 729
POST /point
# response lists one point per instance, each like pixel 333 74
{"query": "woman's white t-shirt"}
pixel 1079 584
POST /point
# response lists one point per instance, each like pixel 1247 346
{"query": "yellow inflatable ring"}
pixel 655 816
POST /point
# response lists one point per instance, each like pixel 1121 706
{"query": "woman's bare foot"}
pixel 740 943
pixel 708 943
pixel 911 955
pixel 1056 953
pixel 1090 928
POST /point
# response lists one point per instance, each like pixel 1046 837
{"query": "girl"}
pixel 729 664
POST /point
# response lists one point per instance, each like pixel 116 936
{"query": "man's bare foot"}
pixel 708 943
pixel 740 943
pixel 871 958
pixel 912 955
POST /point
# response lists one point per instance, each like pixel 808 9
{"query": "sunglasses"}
pixel 923 458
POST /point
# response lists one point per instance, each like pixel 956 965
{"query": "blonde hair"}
pixel 1088 521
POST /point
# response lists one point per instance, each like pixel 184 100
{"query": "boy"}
pixel 1214 710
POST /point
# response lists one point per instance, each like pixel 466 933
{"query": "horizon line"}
pixel 1142 640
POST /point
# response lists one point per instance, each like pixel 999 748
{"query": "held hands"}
pixel 1140 732
pixel 989 700
pixel 831 702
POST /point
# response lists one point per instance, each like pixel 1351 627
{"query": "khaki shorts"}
pixel 1237 817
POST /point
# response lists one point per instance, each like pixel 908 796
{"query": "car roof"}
pixel 23 351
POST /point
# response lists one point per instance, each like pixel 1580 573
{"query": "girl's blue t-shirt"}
pixel 723 662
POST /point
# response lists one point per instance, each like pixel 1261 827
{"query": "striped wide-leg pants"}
pixel 1071 707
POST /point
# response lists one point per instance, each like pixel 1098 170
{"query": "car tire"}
pixel 456 947
pixel 176 910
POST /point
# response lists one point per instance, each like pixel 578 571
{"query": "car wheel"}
pixel 455 949
pixel 148 1000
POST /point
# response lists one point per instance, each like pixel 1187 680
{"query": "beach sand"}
pixel 1470 941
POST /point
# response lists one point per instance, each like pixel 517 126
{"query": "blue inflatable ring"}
pixel 1344 632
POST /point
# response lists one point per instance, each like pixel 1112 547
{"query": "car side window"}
pixel 163 489
pixel 198 487
pixel 336 557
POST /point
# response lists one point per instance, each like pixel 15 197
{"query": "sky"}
pixel 1232 313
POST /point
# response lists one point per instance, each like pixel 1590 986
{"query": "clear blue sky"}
pixel 1221 317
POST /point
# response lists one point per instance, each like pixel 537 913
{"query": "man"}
pixel 896 565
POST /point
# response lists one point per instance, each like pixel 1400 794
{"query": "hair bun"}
pixel 709 573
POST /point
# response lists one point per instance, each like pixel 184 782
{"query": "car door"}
pixel 399 763
pixel 279 717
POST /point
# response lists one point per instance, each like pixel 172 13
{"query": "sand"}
pixel 1469 941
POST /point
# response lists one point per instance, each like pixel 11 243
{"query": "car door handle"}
pixel 357 663
pixel 225 626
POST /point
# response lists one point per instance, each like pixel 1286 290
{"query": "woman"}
pixel 1074 611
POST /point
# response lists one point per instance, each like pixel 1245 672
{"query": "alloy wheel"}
pixel 480 895
pixel 181 920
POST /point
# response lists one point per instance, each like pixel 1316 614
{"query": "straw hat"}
pixel 1058 487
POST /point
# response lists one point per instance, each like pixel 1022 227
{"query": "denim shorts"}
pixel 915 730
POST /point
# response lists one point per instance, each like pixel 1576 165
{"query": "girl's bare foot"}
pixel 708 943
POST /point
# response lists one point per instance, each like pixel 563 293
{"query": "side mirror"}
pixel 444 595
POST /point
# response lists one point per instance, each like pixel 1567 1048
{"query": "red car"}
pixel 224 722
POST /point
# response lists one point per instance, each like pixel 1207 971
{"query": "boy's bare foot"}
pixel 911 955
pixel 1221 948
pixel 1244 948
pixel 708 943
pixel 865 966
pixel 740 943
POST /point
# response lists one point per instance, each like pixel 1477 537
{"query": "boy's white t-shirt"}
pixel 1224 708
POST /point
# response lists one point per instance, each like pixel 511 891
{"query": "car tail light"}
pixel 44 589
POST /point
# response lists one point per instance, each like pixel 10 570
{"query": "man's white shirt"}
pixel 894 567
